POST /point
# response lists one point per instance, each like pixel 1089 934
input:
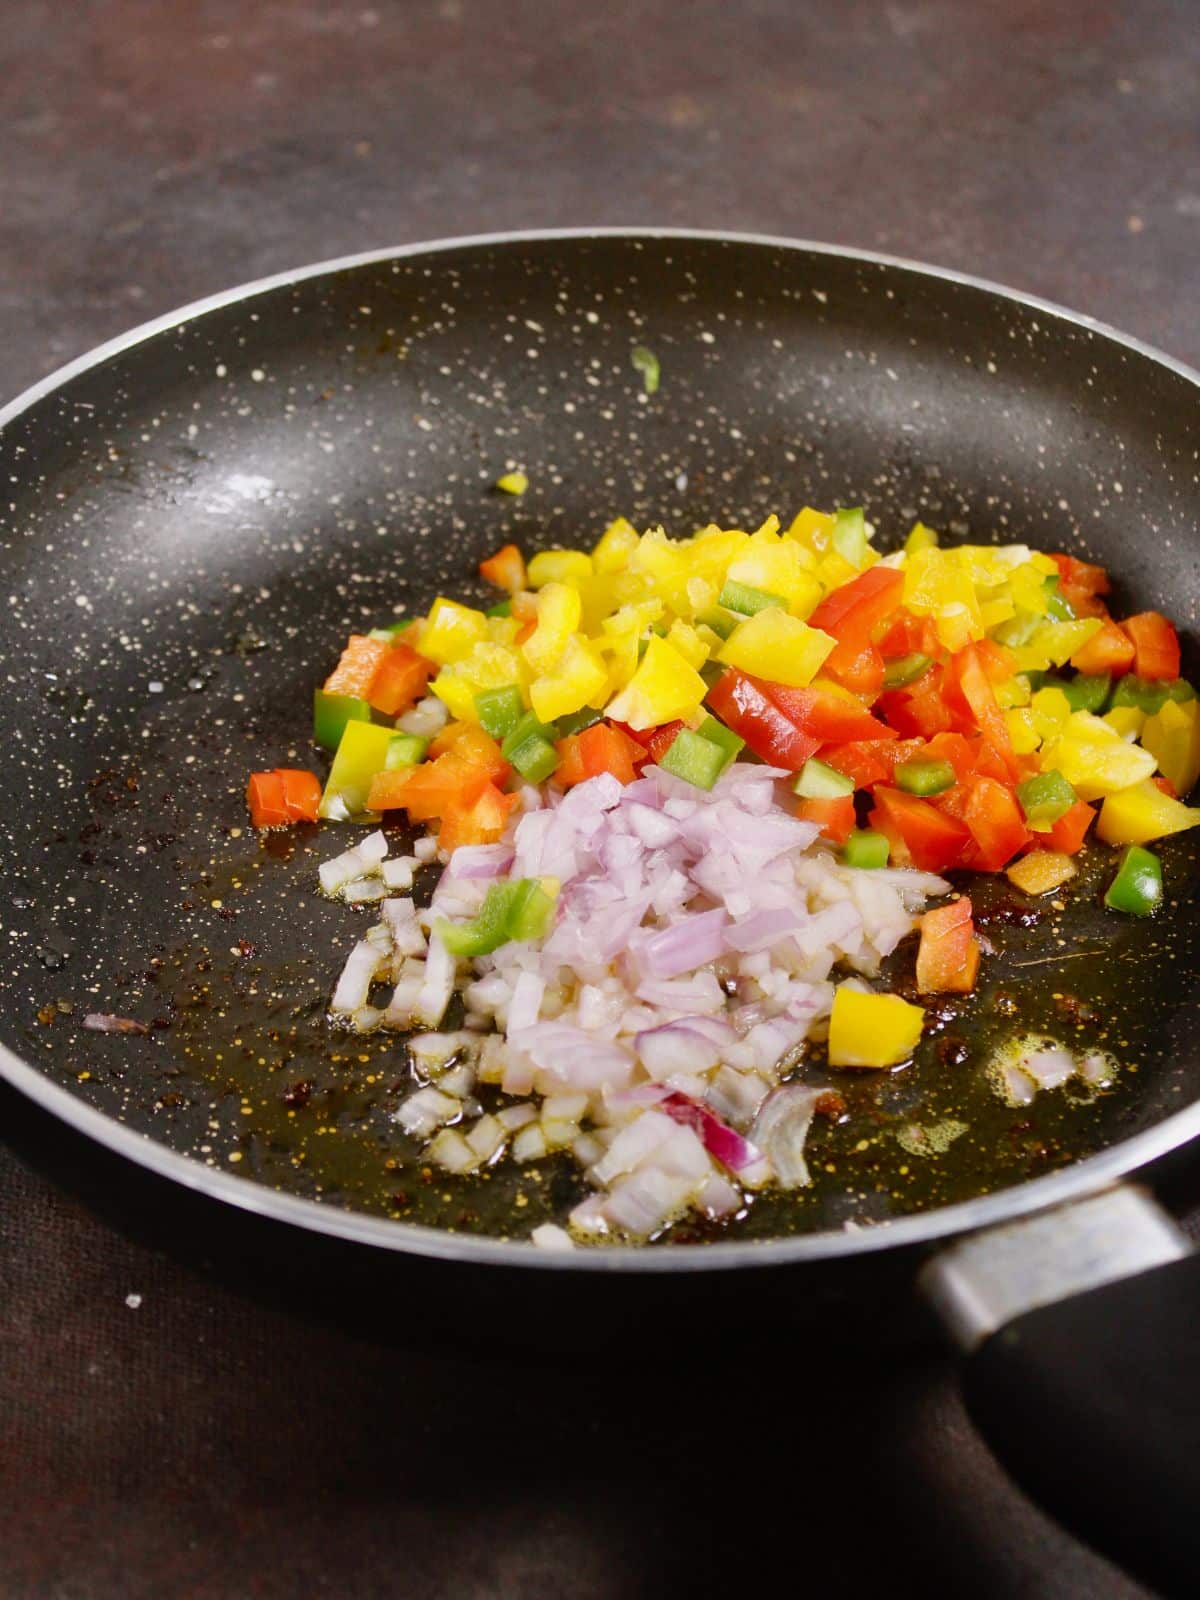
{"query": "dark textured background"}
pixel 209 1442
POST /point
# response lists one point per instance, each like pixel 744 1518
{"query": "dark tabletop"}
pixel 168 1427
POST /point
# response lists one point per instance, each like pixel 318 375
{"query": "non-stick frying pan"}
pixel 195 515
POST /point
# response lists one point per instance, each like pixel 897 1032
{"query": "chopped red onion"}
pixel 781 1129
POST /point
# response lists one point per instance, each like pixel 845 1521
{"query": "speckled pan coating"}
pixel 190 525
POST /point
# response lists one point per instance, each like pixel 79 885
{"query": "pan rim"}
pixel 922 1229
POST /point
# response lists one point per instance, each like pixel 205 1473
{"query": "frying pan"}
pixel 194 515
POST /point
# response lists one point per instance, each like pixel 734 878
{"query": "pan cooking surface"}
pixel 191 528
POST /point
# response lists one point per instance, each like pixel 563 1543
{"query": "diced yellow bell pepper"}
pixel 559 612
pixel 578 679
pixel 634 618
pixel 688 642
pixel 813 529
pixel 1172 737
pixel 663 688
pixel 777 566
pixel 615 546
pixel 1041 871
pixel 559 566
pixel 1051 712
pixel 503 630
pixel 1022 730
pixel 1142 813
pixel 1027 585
pixel 513 482
pixel 1094 759
pixel 1127 720
pixel 872 1030
pixel 489 666
pixel 774 645
pixel 451 631
pixel 833 570
pixel 996 607
pixel 920 538
pixel 621 657
pixel 938 584
pixel 1054 643
pixel 1013 692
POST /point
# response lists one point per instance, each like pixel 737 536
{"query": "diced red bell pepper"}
pixel 909 635
pixel 834 817
pixel 1068 833
pixel 955 748
pixel 998 662
pixel 994 816
pixel 919 710
pixel 968 672
pixel 399 680
pixel 867 762
pixel 474 745
pixel 604 747
pixel 741 704
pixel 357 666
pixel 861 673
pixel 1080 583
pixel 1110 650
pixel 827 711
pixel 264 799
pixel 301 793
pixel 1155 645
pixel 948 955
pixel 659 740
pixel 482 821
pixel 285 795
pixel 429 790
pixel 933 840
pixel 851 613
pixel 506 569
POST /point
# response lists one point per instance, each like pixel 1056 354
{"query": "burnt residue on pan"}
pixel 190 529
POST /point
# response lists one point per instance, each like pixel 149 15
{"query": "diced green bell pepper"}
pixel 695 759
pixel 717 733
pixel 741 597
pixel 502 608
pixel 719 620
pixel 362 752
pixel 529 747
pixel 331 713
pixel 499 710
pixel 866 848
pixel 1137 888
pixel 1085 692
pixel 713 671
pixel 1149 694
pixel 577 721
pixel 405 750
pixel 1044 798
pixel 517 910
pixel 905 669
pixel 1056 607
pixel 816 781
pixel 924 777
pixel 850 534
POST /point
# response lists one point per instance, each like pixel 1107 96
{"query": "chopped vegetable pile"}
pixel 688 794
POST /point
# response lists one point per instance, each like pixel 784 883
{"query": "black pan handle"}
pixel 1082 1373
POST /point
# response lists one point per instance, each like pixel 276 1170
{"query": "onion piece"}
pixel 781 1129
pixel 362 861
pixel 726 1144
pixel 363 965
pixel 434 996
